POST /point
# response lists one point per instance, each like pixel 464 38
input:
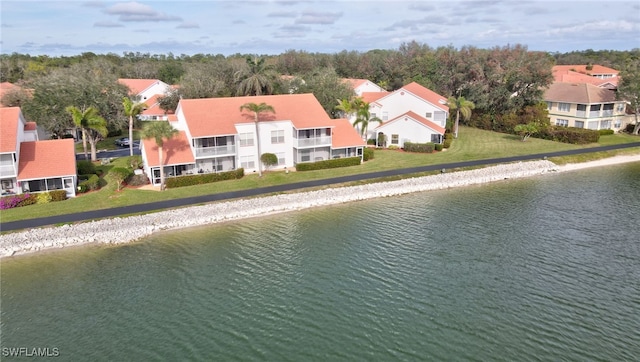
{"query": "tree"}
pixel 526 130
pixel 257 109
pixel 118 175
pixel 462 107
pixel 255 78
pixel 363 116
pixel 326 86
pixel 629 89
pixel 269 159
pixel 159 131
pixel 132 110
pixel 92 125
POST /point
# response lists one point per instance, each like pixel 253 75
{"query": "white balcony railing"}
pixel 594 114
pixel 7 171
pixel 607 113
pixel 215 151
pixel 314 141
pixel 581 114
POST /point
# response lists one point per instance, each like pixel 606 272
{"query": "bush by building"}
pixel 335 163
pixel 201 179
pixel 419 147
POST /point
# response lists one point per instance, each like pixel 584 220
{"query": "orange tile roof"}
pixel 569 76
pixel 176 151
pixel 153 107
pixel 9 120
pixel 44 159
pixel 344 135
pixel 218 116
pixel 136 86
pixel 30 126
pixel 371 97
pixel 596 69
pixel 354 82
pixel 578 93
pixel 427 94
pixel 419 118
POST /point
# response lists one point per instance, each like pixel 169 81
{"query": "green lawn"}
pixel 472 144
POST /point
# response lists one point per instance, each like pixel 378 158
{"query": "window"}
pixel 247 162
pixel 7 184
pixel 549 105
pixel 579 124
pixel 277 136
pixel 617 123
pixel 428 115
pixel 245 139
pixel 606 124
pixel 385 116
pixel 620 107
pixel 305 156
pixel 280 156
pixel 395 139
pixel 562 122
pixel 592 125
pixel 373 115
pixel 564 107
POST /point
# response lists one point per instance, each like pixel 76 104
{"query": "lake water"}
pixel 545 268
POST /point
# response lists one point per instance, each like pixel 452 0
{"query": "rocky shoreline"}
pixel 132 228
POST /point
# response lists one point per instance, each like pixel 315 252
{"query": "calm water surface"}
pixel 546 268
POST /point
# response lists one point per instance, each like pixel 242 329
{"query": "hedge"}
pixel 604 132
pixel 9 202
pixel 91 183
pixel 201 179
pixel 335 163
pixel 419 147
pixel 439 146
pixel 578 136
pixel 367 154
pixel 448 138
pixel 85 167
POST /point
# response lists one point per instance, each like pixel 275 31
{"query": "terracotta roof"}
pixel 9 120
pixel 344 135
pixel 137 86
pixel 426 94
pixel 217 116
pixel 569 76
pixel 578 93
pixel 419 118
pixel 172 118
pixel 596 69
pixel 354 82
pixel 371 97
pixel 30 126
pixel 43 159
pixel 176 151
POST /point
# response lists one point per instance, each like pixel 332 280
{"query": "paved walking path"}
pixel 167 204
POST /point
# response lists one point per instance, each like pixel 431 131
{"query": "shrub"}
pixel 367 154
pixel 393 147
pixel 419 147
pixel 269 159
pixel 58 195
pixel 335 163
pixel 118 175
pixel 43 198
pixel 9 202
pixel 604 132
pixel 92 183
pixel 439 146
pixel 134 161
pixel 29 200
pixel 137 180
pixel 201 179
pixel 371 141
pixel 85 167
pixel 578 136
pixel 629 128
pixel 448 138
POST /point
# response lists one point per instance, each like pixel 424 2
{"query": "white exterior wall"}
pixel 159 87
pixel 266 146
pixel 398 103
pixel 408 130
pixel 368 87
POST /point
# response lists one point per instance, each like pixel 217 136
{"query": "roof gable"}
pixel 344 135
pixel 416 118
pixel 175 151
pixel 426 94
pixel 137 86
pixel 583 93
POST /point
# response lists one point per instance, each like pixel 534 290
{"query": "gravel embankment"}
pixel 127 229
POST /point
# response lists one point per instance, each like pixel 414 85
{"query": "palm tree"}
pixel 159 131
pixel 257 109
pixel 93 127
pixel 132 110
pixel 346 106
pixel 254 79
pixel 363 116
pixel 462 107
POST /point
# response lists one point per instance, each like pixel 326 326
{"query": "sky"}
pixel 270 27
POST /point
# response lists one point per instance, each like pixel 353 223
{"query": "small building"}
pixel 28 165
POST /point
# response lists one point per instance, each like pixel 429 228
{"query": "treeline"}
pixel 499 81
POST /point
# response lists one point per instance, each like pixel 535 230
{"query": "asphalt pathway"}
pixel 168 204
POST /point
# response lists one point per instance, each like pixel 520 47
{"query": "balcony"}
pixel 7 171
pixel 581 114
pixel 594 114
pixel 216 151
pixel 314 141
